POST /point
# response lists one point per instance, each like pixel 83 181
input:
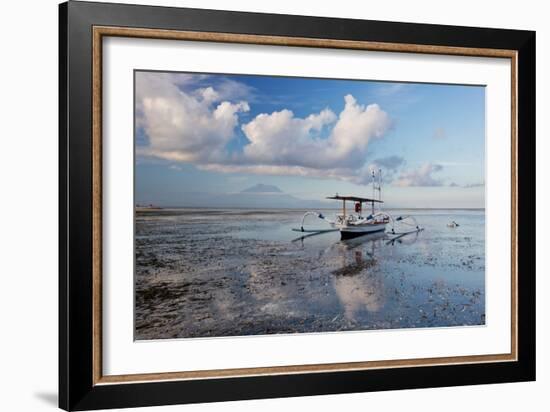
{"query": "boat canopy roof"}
pixel 354 199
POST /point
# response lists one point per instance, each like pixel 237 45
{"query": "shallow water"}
pixel 234 272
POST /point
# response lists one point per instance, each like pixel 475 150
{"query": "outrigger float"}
pixel 354 224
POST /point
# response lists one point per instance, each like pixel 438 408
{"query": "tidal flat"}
pixel 235 272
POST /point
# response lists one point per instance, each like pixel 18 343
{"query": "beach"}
pixel 236 272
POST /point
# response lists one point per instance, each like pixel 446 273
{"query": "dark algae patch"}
pixel 208 273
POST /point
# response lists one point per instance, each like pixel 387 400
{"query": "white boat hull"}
pixel 350 231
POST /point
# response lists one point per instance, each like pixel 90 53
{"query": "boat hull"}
pixel 348 232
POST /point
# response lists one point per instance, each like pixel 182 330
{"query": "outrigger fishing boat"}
pixel 355 223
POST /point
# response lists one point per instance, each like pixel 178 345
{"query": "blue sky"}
pixel 220 134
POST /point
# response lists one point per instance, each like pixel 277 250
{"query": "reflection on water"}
pixel 234 272
pixel 356 282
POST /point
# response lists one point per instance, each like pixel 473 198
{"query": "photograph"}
pixel 279 205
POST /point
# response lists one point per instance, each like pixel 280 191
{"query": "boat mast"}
pixel 376 187
pixel 373 192
pixel 380 189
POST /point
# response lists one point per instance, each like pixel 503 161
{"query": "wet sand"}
pixel 206 273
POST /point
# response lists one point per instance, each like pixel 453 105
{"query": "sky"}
pixel 209 137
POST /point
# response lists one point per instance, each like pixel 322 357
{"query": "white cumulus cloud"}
pixel 188 127
pixel 196 125
pixel 422 176
pixel 280 138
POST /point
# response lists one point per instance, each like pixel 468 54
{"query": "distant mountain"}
pixel 258 196
pixel 261 188
pixel 263 200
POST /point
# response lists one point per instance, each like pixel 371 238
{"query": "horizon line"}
pixel 157 207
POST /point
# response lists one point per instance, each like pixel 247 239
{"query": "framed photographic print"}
pixel 257 205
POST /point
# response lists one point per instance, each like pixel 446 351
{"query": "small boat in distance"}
pixel 142 208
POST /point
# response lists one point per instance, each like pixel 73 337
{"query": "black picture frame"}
pixel 77 390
